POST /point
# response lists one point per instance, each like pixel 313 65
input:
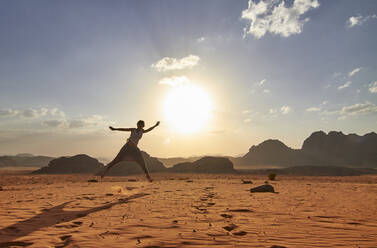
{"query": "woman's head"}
pixel 140 124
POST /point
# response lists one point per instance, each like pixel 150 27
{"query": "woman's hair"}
pixel 140 123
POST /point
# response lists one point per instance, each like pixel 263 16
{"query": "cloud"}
pixel 169 64
pixel 29 113
pixel 8 112
pixel 262 82
pixel 266 91
pixel 275 17
pixel 359 108
pixel 201 39
pixel 247 120
pixel 346 85
pixel 90 121
pixel 359 20
pixel 353 110
pixel 245 112
pixel 57 112
pixel 174 81
pixel 285 109
pixel 273 111
pixel 354 71
pixel 373 87
pixel 313 109
pixel 53 123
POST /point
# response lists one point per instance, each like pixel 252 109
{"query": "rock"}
pixel 79 164
pixel 92 181
pixel 278 246
pixel 263 188
pixel 205 165
pixel 247 182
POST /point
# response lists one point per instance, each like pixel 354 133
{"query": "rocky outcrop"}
pixel 205 165
pixel 79 164
pixel 336 148
pixel 128 168
pixel 320 149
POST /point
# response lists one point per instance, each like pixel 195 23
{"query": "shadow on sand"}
pixel 49 217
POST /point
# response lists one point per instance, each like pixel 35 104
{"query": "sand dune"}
pixel 187 211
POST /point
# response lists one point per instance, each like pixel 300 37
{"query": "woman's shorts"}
pixel 130 152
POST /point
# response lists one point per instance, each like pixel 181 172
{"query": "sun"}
pixel 187 108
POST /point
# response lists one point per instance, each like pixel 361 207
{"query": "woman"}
pixel 130 151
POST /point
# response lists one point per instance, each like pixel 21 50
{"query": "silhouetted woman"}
pixel 130 151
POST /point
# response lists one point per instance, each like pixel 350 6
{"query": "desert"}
pixel 186 210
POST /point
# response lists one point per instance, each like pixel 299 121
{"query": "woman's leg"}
pixel 140 161
pixel 117 159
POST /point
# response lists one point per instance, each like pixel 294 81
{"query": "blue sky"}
pixel 273 69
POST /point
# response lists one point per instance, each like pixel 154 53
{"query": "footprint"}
pixel 241 210
pixel 240 233
pixel 230 227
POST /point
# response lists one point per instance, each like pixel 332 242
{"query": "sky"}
pixel 246 71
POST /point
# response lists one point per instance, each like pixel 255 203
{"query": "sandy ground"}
pixel 187 211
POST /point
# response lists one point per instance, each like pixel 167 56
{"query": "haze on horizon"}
pixel 219 75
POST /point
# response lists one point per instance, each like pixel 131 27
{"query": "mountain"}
pixel 205 165
pixel 319 149
pixel 24 160
pixel 168 162
pixel 128 168
pixel 336 148
pixel 78 164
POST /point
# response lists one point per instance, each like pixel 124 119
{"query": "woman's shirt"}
pixel 135 135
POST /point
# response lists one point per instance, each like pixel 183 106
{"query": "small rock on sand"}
pixel 278 246
pixel 93 181
pixel 247 182
pixel 263 188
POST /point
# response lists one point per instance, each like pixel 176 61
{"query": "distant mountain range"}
pixel 24 160
pixel 319 149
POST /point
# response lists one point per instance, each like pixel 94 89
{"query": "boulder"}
pixel 263 188
pixel 78 164
pixel 205 165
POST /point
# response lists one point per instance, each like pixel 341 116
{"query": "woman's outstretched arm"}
pixel 151 128
pixel 121 129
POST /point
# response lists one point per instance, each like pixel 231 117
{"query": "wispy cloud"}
pixel 174 81
pixel 169 64
pixel 262 82
pixel 247 120
pixel 346 85
pixel 313 109
pixel 354 71
pixel 285 110
pixel 8 112
pixel 359 20
pixel 373 87
pixel 275 17
pixel 266 91
pixel 353 110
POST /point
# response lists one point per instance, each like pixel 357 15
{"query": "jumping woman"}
pixel 130 151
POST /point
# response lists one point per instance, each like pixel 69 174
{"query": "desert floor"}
pixel 179 210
